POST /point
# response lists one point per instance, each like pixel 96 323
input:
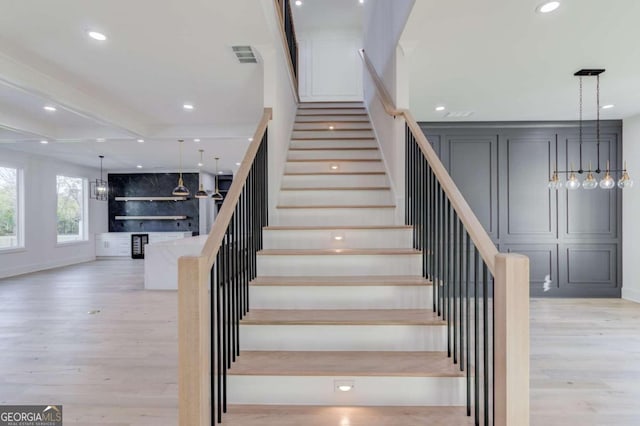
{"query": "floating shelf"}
pixel 150 217
pixel 150 198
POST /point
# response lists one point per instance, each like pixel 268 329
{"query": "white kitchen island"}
pixel 161 261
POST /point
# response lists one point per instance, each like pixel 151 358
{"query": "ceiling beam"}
pixel 66 94
pixel 31 129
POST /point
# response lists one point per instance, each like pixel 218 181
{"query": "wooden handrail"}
pixel 216 235
pixel 481 239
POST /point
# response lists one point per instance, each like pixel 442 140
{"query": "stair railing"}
pixel 213 289
pixel 483 295
pixel 288 32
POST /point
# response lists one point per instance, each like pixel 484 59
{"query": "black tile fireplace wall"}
pixel 152 185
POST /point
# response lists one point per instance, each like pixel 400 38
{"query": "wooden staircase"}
pixel 339 298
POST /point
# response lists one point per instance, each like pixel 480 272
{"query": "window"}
pixel 10 211
pixel 72 207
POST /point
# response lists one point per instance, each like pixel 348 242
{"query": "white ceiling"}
pixel 158 56
pixel 504 61
pixel 497 58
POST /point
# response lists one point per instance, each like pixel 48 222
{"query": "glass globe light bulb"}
pixel 573 182
pixel 554 182
pixel 607 182
pixel 590 182
pixel 625 181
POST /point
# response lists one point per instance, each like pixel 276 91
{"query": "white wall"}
pixel 280 95
pixel 41 250
pixel 384 22
pixel 329 66
pixel 630 211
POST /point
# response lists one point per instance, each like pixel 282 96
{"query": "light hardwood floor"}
pixel 118 366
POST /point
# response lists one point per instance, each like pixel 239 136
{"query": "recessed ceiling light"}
pixel 549 6
pixel 44 142
pixel 298 3
pixel 440 108
pixel 237 164
pixel 96 35
pixel 334 167
pixel 200 164
pixel 220 172
pixel 608 106
pixel 345 388
pixel 250 139
pixel 187 107
pixel 361 1
pixel 331 127
pixel 196 140
pixel 338 237
pixel 139 166
pixel 50 108
pixel 140 140
pixel 100 140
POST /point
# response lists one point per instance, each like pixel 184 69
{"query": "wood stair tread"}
pixel 335 160
pixel 340 188
pixel 417 317
pixel 322 129
pixel 341 148
pixel 328 228
pixel 298 138
pixel 339 281
pixel 337 252
pixel 333 173
pixel 345 363
pixel 300 415
pixel 372 206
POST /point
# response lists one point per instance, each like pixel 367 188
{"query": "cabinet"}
pixel 113 244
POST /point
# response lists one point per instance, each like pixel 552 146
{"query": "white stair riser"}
pixel 354 104
pixel 333 143
pixel 342 154
pixel 337 238
pixel 335 197
pixel 331 134
pixel 341 297
pixel 325 166
pixel 336 125
pixel 332 111
pixel 344 265
pixel 333 181
pixel 367 391
pixel 336 118
pixel 343 338
pixel 334 217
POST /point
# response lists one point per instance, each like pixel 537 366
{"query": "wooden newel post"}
pixel 511 340
pixel 194 375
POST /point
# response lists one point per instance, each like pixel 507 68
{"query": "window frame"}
pixel 19 215
pixel 83 226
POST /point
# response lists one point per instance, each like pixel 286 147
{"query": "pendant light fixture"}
pixel 217 196
pixel 607 182
pixel 180 189
pixel 201 192
pixel 99 188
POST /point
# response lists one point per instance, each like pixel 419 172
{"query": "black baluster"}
pixel 476 331
pixel 460 293
pixel 454 286
pixel 468 249
pixel 485 338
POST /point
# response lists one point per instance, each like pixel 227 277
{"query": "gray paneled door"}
pixel 573 237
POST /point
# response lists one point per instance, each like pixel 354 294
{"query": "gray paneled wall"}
pixel 503 168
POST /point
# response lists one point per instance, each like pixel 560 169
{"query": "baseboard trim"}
pixel 631 295
pixel 35 267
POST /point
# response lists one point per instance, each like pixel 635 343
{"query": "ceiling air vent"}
pixel 245 54
pixel 458 114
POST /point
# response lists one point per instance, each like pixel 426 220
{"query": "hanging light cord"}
pixel 598 122
pixel 580 138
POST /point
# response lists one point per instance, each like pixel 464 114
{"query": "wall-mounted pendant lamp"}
pixel 99 188
pixel 201 192
pixel 180 189
pixel 607 182
pixel 217 196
